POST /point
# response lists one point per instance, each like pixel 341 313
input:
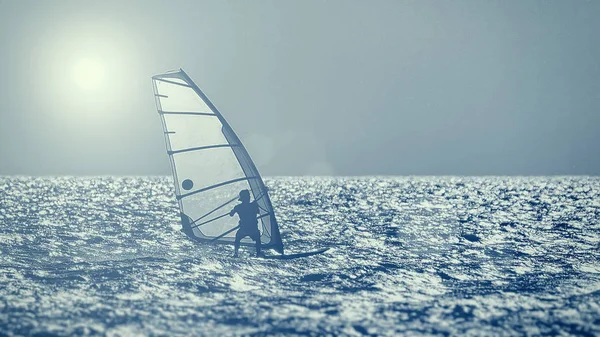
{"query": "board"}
pixel 294 256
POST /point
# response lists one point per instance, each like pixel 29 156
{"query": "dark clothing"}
pixel 247 212
pixel 254 234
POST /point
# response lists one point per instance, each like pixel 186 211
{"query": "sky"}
pixel 310 87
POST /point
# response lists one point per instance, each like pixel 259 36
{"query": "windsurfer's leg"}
pixel 238 238
pixel 256 238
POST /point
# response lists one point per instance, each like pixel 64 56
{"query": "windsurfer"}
pixel 247 212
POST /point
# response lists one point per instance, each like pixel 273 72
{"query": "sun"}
pixel 87 73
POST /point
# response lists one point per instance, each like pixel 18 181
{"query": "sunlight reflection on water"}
pixel 425 256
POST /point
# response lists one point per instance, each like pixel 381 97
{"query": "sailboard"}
pixel 210 165
pixel 294 256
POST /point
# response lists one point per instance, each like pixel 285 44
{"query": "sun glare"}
pixel 87 73
pixel 87 69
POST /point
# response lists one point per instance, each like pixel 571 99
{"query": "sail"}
pixel 210 165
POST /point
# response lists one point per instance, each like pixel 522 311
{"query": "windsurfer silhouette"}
pixel 247 212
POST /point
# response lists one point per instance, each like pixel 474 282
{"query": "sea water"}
pixel 463 256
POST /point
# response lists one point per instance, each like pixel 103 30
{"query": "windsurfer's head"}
pixel 244 196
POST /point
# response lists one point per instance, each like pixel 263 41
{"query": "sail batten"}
pixel 215 186
pixel 209 163
pixel 186 113
pixel 173 82
pixel 214 210
pixel 209 221
pixel 200 148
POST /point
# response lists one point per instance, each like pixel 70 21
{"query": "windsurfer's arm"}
pixel 232 212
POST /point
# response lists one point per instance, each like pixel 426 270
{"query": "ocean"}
pixel 418 256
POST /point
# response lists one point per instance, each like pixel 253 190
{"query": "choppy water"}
pixel 418 256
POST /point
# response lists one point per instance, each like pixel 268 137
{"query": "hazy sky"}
pixel 311 87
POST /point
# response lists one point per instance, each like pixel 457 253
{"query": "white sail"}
pixel 209 163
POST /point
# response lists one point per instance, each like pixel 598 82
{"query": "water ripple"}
pixel 421 256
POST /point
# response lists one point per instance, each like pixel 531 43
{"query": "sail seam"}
pixel 200 148
pixel 179 197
